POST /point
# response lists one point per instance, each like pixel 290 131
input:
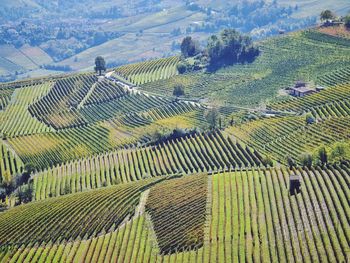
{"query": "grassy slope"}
pixel 26 58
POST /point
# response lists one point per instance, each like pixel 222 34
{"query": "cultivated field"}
pixel 133 174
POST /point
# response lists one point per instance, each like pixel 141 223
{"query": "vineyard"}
pixel 320 60
pixel 149 71
pixel 290 136
pixel 196 153
pixel 246 212
pixel 115 169
pixel 9 163
pixel 332 102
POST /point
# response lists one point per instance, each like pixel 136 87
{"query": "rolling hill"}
pixel 114 168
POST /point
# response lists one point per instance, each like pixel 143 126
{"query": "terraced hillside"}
pixel 284 137
pixel 283 61
pixel 149 71
pixel 123 175
pixel 194 153
pixel 332 102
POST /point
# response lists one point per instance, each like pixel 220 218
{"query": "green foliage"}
pixel 181 67
pixel 189 47
pixel 291 162
pixel 327 15
pixel 267 161
pixel 230 47
pixel 306 160
pixel 309 118
pixel 212 116
pixel 347 21
pixel 100 64
pixel 340 152
pixel 179 90
pixel 321 155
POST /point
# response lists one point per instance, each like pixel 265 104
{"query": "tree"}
pixel 100 65
pixel 189 47
pixel 181 67
pixel 321 155
pixel 291 162
pixel 179 90
pixel 230 47
pixel 306 160
pixel 212 116
pixel 327 15
pixel 309 118
pixel 347 22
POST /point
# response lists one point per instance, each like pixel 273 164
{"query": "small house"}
pixel 294 184
pixel 301 89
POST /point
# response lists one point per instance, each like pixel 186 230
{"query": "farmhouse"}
pixel 301 89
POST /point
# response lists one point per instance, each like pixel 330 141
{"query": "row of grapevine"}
pixel 127 104
pixel 105 91
pixel 71 217
pixel 132 242
pixel 57 107
pixel 338 76
pixel 340 93
pixel 255 219
pixel 194 153
pixel 333 109
pixel 178 211
pixel 282 137
pixel 325 38
pixel 250 217
pixel 149 71
pixel 44 150
pixel 16 119
pixel 51 148
pixel 5 96
pixel 10 164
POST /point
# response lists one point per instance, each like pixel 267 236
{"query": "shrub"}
pixel 321 155
pixel 212 116
pixel 179 90
pixel 347 22
pixel 340 152
pixel 306 160
pixel 181 67
pixel 309 119
pixel 291 162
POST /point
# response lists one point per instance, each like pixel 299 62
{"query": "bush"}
pixel 212 116
pixel 181 67
pixel 179 90
pixel 347 22
pixel 321 155
pixel 309 119
pixel 340 152
pixel 291 162
pixel 306 160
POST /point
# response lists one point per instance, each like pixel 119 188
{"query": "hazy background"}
pixel 40 37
